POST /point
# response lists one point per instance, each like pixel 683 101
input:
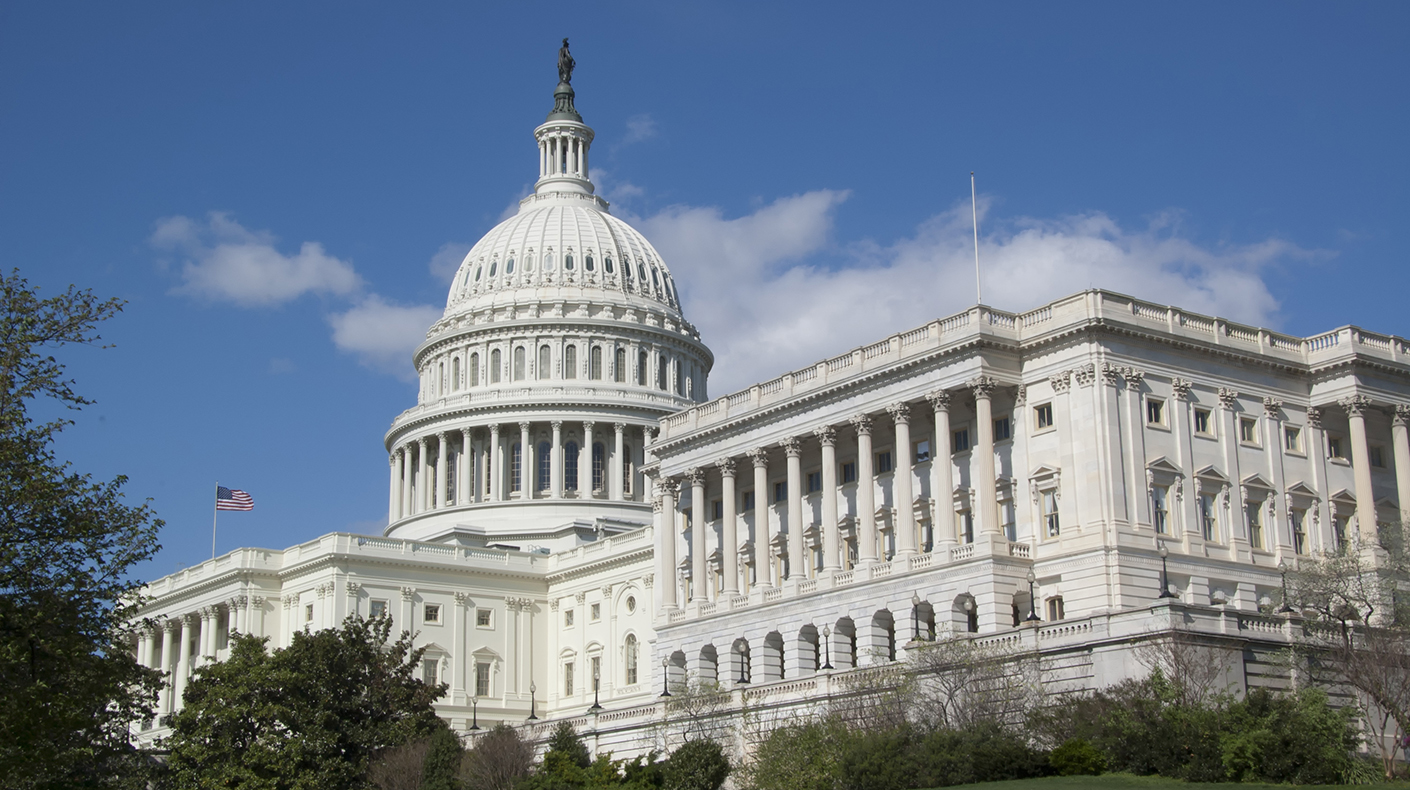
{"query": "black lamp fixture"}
pixel 827 647
pixel 533 703
pixel 475 712
pixel 743 668
pixel 1032 604
pixel 665 677
pixel 915 616
pixel 1287 605
pixel 1164 574
pixel 596 682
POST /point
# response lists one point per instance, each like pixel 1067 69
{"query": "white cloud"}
pixel 764 308
pixel 640 127
pixel 227 262
pixel 446 262
pixel 382 335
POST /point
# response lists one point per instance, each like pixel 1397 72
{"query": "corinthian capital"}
pixel 760 457
pixel 827 435
pixel 900 412
pixel 1401 415
pixel 982 386
pixel 792 446
pixel 939 400
pixel 1061 381
pixel 696 476
pixel 862 424
pixel 1356 405
pixel 726 467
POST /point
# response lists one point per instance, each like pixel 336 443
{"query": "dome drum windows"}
pixel 548 261
pixel 475 369
pixel 568 262
pixel 570 362
pixel 496 366
pixel 595 363
pixel 519 363
pixel 588 262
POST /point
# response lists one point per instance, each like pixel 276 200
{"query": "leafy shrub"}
pixel 442 767
pixel 697 765
pixel 1077 757
pixel 796 757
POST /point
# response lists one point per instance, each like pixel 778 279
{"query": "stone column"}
pixel 665 506
pixel 146 646
pixel 526 462
pixel 793 448
pixel 183 666
pixel 407 473
pixel 832 554
pixel 496 465
pixel 1356 408
pixel 988 515
pixel 167 666
pixel 393 494
pixel 618 486
pixel 207 647
pixel 763 566
pixel 422 489
pixel 555 474
pixel 699 589
pixel 729 537
pixel 942 475
pixel 465 488
pixel 902 494
pixel 866 492
pixel 585 463
pixel 442 459
pixel 1400 437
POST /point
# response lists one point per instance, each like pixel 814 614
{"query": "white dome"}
pixel 562 246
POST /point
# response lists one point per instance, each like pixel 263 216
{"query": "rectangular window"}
pixel 1051 525
pixel 1009 515
pixel 1255 524
pixel 482 679
pixel 922 451
pixel 514 476
pixel 883 462
pixel 1292 439
pixel 1155 411
pixel 1208 518
pixel 1160 513
pixel 849 472
pixel 308 613
pixel 1002 429
pixel 1202 424
pixel 1339 534
pixel 959 441
pixel 432 613
pixel 1299 530
pixel 1248 430
pixel 1378 458
pixel 717 509
pixel 814 482
pixel 748 501
pixel 428 670
pixel 568 615
pixel 377 608
pixel 568 679
pixel 482 618
pixel 966 526
pixel 1334 446
pixel 595 612
pixel 781 491
pixel 1055 610
pixel 1043 416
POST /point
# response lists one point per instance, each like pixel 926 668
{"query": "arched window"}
pixel 607 263
pixel 545 362
pixel 568 262
pixel 570 466
pixel 509 266
pixel 478 269
pixel 641 271
pixel 475 369
pixel 529 262
pixel 519 363
pixel 599 465
pixel 587 262
pixel 515 465
pixel 545 466
pixel 595 363
pixel 641 369
pixel 455 374
pixel 570 362
pixel 619 367
pixel 630 654
pixel 548 261
pixel 496 365
pixel 627 469
pixel 661 369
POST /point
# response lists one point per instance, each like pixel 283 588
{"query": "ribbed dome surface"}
pixel 558 247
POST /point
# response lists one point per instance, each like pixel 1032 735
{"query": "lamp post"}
pixel 1287 606
pixel 915 616
pixel 665 677
pixel 596 682
pixel 743 668
pixel 475 712
pixel 827 647
pixel 533 703
pixel 1164 574
pixel 1032 603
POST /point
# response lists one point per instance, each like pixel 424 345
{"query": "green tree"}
pixel 307 717
pixel 697 765
pixel 442 767
pixel 69 687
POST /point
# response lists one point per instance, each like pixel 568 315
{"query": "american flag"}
pixel 232 499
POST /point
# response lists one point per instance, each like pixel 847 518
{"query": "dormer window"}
pixel 587 263
pixel 509 266
pixel 606 263
pixel 568 262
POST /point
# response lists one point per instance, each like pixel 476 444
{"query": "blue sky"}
pixel 276 190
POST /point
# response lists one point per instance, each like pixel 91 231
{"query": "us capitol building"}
pixel 574 525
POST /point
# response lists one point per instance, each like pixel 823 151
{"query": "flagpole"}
pixel 215 514
pixel 974 211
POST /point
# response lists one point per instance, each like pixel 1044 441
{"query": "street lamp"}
pixel 475 712
pixel 533 705
pixel 1032 604
pixel 915 615
pixel 665 677
pixel 1287 606
pixel 743 668
pixel 827 647
pixel 1164 574
pixel 596 682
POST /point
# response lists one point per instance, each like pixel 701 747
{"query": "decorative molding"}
pixel 648 580
pixel 1400 415
pixel 1134 378
pixel 900 412
pixel 353 589
pixel 1228 398
pixel 607 590
pixel 407 593
pixel 939 401
pixel 257 601
pixel 1061 381
pixel 696 476
pixel 1314 417
pixel 862 422
pixel 1085 374
pixel 1180 388
pixel 792 446
pixel 982 386
pixel 726 467
pixel 1356 405
pixel 760 457
pixel 553 604
pixel 670 486
pixel 1020 395
pixel 827 436
pixel 1272 406
pixel 462 598
pixel 1111 374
